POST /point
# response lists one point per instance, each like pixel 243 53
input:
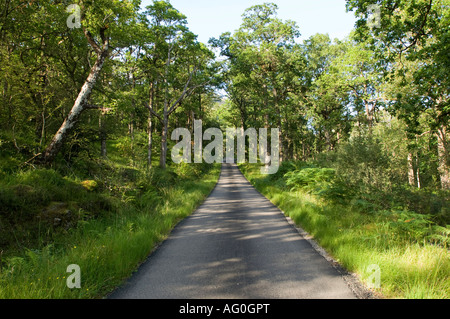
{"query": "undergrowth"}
pixel 106 220
pixel 410 248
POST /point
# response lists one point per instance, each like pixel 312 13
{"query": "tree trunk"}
pixel 150 127
pixel 78 108
pixel 411 174
pixel 104 152
pixel 369 116
pixel 165 130
pixel 419 184
pixel 150 140
pixel 279 122
pixel 443 141
pixel 42 139
pixel 101 123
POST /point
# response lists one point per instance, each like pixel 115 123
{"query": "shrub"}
pixel 185 170
pixel 285 167
pixel 310 179
pixel 162 178
pixel 362 161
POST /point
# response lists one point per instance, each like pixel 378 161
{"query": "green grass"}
pixel 117 220
pixel 410 268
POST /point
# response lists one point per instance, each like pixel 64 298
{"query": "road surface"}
pixel 237 245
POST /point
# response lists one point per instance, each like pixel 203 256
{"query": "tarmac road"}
pixel 237 245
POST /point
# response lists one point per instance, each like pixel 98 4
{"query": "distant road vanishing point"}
pixel 237 245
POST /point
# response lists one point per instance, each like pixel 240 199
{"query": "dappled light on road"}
pixel 236 245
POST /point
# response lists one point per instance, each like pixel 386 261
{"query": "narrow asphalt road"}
pixel 237 245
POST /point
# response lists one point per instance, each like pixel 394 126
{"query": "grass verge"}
pixel 408 269
pixel 106 227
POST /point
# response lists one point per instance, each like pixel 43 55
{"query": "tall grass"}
pixel 107 247
pixel 410 267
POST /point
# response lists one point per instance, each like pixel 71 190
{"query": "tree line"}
pixel 122 65
pixel 139 72
pixel 386 84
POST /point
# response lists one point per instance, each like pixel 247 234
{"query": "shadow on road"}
pixel 236 245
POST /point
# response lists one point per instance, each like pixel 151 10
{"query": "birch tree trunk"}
pixel 74 115
pixel 418 182
pixel 83 96
pixel 411 174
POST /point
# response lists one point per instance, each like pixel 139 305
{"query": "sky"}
pixel 211 18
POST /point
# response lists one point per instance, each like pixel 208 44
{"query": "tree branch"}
pixel 105 39
pixel 185 89
pixel 184 94
pixel 420 30
pixel 153 112
pixel 92 42
pixel 96 107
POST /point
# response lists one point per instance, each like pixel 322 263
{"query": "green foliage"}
pixel 322 182
pixel 90 185
pixel 192 170
pixel 408 225
pixel 37 205
pixel 37 187
pixel 310 179
pixel 162 178
pixel 285 167
pixel 410 46
pixel 107 225
pixel 367 116
pixel 410 249
pixel 371 172
pixel 149 200
pixel 363 163
pixel 263 66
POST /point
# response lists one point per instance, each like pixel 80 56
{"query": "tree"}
pixel 186 65
pixel 43 62
pixel 103 22
pixel 415 31
pixel 265 70
pixel 327 95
